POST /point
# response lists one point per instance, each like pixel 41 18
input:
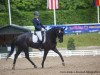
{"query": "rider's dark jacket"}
pixel 37 24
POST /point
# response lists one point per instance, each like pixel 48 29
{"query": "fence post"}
pixel 94 52
pixel 0 56
pixel 12 56
pixel 82 53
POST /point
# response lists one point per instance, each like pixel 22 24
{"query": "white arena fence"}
pixel 66 53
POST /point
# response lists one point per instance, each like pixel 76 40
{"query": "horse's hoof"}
pixel 63 64
pixel 13 68
pixel 42 67
pixel 35 66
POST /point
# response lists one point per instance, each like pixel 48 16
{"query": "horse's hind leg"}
pixel 55 50
pixel 15 58
pixel 27 56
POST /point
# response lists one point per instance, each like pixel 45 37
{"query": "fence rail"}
pixel 51 53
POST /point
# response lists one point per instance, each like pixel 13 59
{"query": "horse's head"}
pixel 60 33
pixel 56 32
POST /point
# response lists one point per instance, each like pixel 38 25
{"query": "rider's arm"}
pixel 42 26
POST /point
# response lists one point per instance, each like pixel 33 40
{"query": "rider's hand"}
pixel 42 29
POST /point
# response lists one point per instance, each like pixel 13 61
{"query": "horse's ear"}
pixel 64 28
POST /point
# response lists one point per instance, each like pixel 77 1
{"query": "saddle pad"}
pixel 37 36
pixel 34 38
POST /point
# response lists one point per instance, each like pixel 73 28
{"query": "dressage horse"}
pixel 24 41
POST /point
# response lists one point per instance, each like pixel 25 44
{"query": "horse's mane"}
pixel 53 29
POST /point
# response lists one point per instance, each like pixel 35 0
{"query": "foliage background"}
pixel 70 11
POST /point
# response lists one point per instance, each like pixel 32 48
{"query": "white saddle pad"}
pixel 38 36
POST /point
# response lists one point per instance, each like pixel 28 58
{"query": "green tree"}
pixel 71 44
pixel 28 5
pixel 3 5
pixel 75 4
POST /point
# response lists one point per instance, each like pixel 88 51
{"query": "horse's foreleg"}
pixel 55 50
pixel 15 58
pixel 44 57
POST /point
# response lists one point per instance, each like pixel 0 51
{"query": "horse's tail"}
pixel 12 49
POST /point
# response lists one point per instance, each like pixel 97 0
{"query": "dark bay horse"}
pixel 24 41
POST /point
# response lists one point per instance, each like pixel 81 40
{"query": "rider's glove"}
pixel 42 29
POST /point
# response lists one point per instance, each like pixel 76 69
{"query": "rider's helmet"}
pixel 36 13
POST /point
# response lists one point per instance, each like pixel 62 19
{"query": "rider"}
pixel 38 25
